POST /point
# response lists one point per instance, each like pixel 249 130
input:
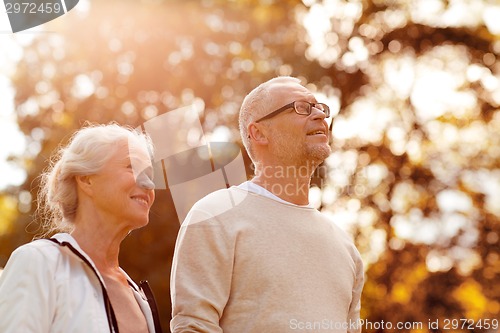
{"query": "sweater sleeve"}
pixel 355 307
pixel 201 276
pixel 26 296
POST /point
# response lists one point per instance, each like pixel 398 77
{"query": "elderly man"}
pixel 257 257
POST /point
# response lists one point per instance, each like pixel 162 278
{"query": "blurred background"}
pixel 414 86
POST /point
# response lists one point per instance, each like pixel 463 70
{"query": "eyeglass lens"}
pixel 305 108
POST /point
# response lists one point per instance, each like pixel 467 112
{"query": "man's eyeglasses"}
pixel 300 107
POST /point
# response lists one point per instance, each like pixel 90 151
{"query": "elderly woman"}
pixel 97 191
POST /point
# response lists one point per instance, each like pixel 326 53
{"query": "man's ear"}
pixel 84 183
pixel 257 133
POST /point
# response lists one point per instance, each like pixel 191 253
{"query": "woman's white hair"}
pixel 88 150
pixel 255 105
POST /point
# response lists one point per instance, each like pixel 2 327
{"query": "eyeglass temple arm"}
pixel 272 114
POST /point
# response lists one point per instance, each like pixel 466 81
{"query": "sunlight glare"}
pixel 12 140
pixel 490 17
pixel 451 201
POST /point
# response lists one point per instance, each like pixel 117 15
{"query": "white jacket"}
pixel 48 288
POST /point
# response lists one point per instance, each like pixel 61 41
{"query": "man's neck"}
pixel 290 183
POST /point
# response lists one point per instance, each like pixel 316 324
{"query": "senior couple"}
pixel 269 262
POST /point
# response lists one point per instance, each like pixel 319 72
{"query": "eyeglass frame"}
pixel 292 105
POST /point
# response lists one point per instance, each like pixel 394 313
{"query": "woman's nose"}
pixel 145 182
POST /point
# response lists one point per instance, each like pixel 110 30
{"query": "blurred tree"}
pixel 415 170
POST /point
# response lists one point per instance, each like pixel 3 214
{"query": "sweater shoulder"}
pixel 347 239
pixel 215 204
pixel 220 198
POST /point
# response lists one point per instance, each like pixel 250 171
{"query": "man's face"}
pixel 297 139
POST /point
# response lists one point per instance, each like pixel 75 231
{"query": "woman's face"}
pixel 122 190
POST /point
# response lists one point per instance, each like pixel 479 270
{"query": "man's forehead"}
pixel 284 84
pixel 287 89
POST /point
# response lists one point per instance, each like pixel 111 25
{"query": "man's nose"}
pixel 317 113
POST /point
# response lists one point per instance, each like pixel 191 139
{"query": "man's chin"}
pixel 320 152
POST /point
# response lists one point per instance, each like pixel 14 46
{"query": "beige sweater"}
pixel 246 263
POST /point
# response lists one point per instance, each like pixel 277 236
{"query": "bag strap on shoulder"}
pixel 110 313
pixel 144 285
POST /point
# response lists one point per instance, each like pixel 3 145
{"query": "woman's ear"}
pixel 84 183
pixel 257 133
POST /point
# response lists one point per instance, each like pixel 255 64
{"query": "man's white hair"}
pixel 256 104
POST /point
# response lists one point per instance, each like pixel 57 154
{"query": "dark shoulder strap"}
pixel 113 323
pixel 144 285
